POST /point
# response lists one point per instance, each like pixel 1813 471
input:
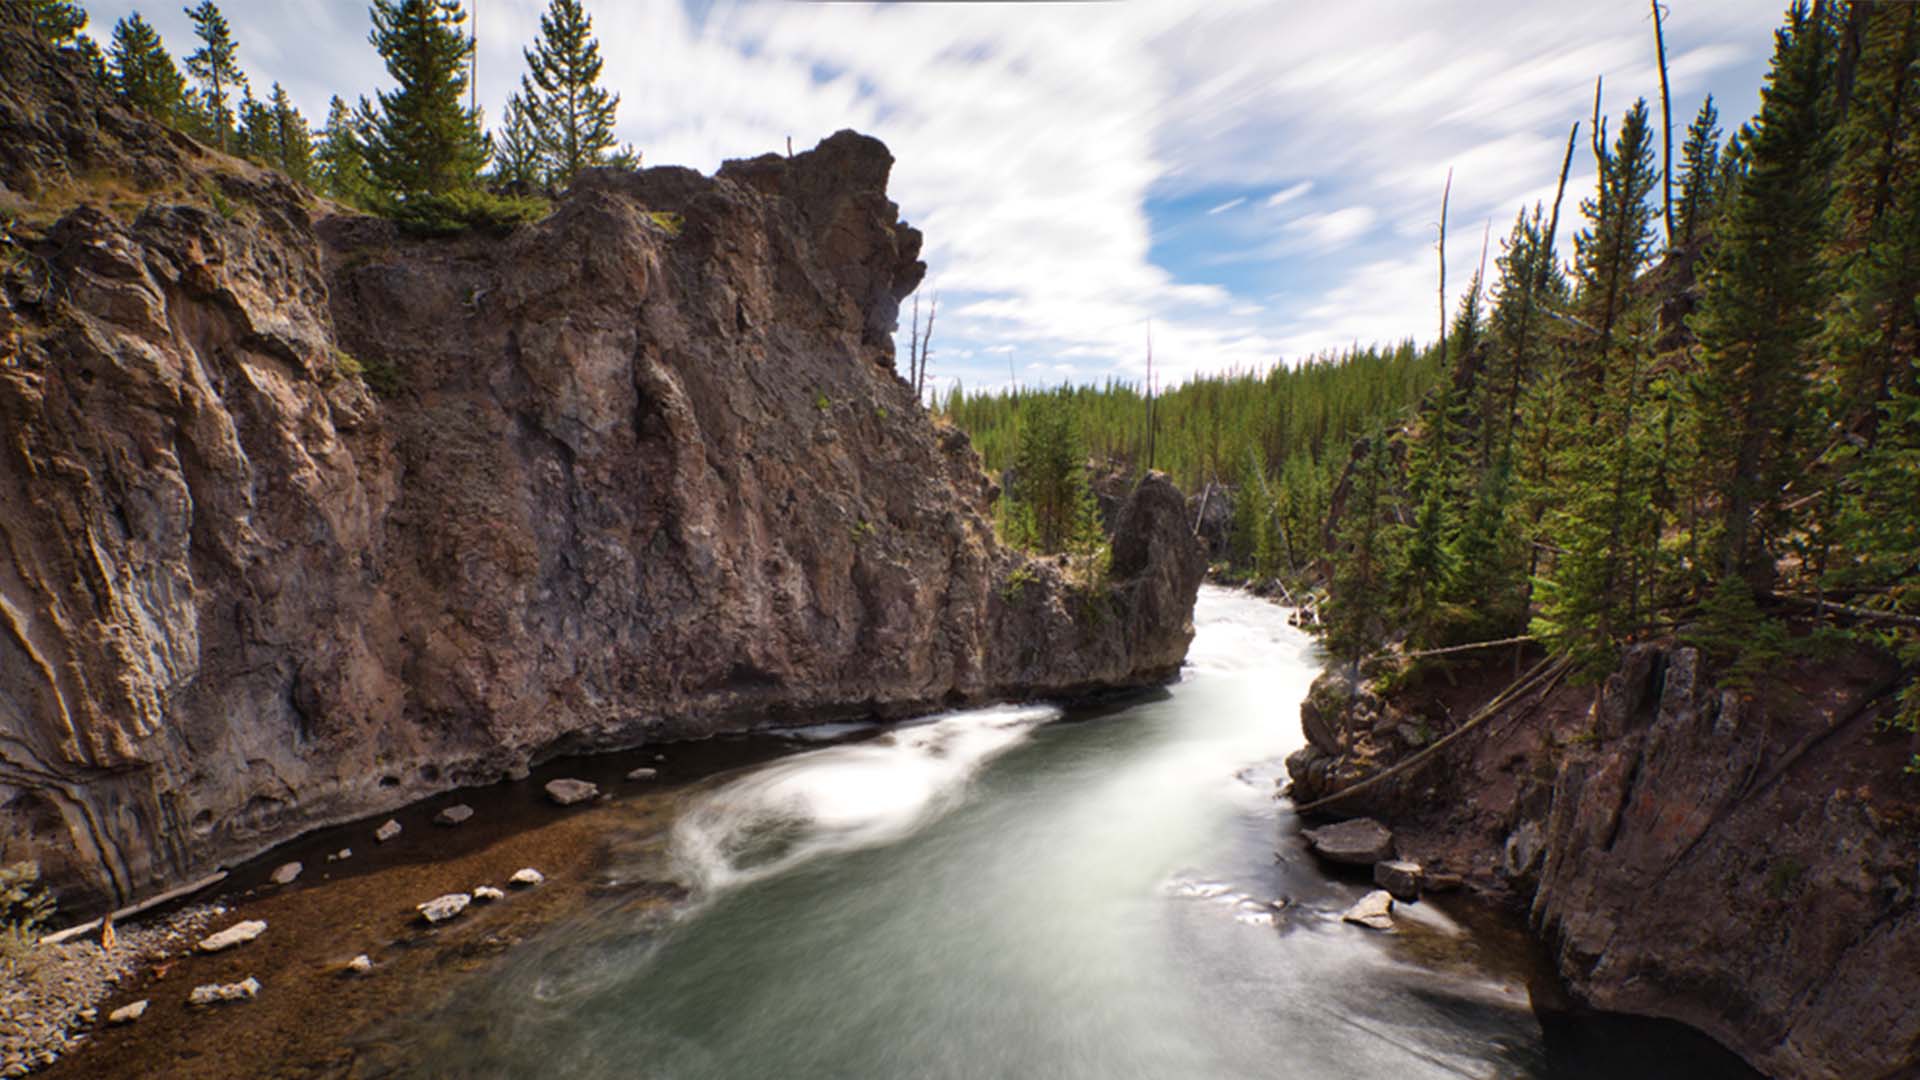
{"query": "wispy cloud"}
pixel 1228 205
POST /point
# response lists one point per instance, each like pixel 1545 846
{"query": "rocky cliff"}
pixel 302 518
pixel 1741 860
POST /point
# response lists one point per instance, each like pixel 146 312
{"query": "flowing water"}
pixel 1004 892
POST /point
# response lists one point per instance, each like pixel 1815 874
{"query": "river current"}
pixel 1018 891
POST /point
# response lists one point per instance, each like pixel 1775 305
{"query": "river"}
pixel 1006 892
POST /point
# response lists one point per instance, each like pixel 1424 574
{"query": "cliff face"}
pixel 642 470
pixel 1742 862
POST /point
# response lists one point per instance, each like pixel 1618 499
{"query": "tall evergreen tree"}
pixel 338 165
pixel 1359 610
pixel 517 164
pixel 290 144
pixel 1873 329
pixel 1052 507
pixel 1761 299
pixel 58 22
pixel 422 139
pixel 1700 170
pixel 571 114
pixel 143 71
pixel 216 64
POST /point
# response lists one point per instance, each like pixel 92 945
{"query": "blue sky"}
pixel 1260 180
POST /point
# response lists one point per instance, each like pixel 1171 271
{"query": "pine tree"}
pixel 1762 293
pixel 290 144
pixel 1601 519
pixel 58 22
pixel 337 161
pixel 1359 611
pixel 216 64
pixel 1873 328
pixel 1700 170
pixel 143 71
pixel 421 139
pixel 571 116
pixel 517 164
pixel 254 135
pixel 1053 507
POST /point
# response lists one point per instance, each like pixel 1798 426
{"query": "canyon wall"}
pixel 303 518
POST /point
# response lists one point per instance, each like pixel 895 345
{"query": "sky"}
pixel 1257 181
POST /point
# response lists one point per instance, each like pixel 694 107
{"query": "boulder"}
pixel 361 965
pixel 441 908
pixel 216 993
pixel 286 873
pixel 1399 877
pixel 643 774
pixel 1358 842
pixel 453 815
pixel 486 894
pixel 387 832
pixel 127 1014
pixel 238 934
pixel 526 877
pixel 1374 911
pixel 569 792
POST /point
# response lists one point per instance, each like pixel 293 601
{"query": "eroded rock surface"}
pixel 1741 862
pixel 642 470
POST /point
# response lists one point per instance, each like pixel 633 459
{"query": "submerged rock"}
pixel 453 815
pixel 1374 911
pixel 216 993
pixel 526 877
pixel 569 792
pixel 441 908
pixel 387 832
pixel 238 934
pixel 1359 842
pixel 643 774
pixel 286 873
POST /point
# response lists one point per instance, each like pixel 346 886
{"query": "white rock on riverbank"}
pixel 238 934
pixel 441 908
pixel 527 877
pixel 218 993
pixel 1374 911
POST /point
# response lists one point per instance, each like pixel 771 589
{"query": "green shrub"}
pixel 671 222
pixel 25 907
pixel 457 212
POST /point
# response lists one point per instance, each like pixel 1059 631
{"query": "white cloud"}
pixel 1028 139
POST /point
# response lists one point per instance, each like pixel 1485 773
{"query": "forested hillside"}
pixel 1279 439
pixel 1707 434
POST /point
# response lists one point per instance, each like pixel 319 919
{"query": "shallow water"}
pixel 1007 892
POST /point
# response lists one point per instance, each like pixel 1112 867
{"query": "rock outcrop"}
pixel 302 518
pixel 1741 862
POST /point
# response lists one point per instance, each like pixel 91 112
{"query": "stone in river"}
pixel 1374 911
pixel 387 832
pixel 215 993
pixel 1359 842
pixel 238 934
pixel 127 1014
pixel 486 894
pixel 569 792
pixel 361 965
pixel 286 873
pixel 643 774
pixel 526 876
pixel 453 815
pixel 442 908
pixel 1399 877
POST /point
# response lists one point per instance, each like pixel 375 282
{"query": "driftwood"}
pixel 1547 673
pixel 1853 610
pixel 1470 647
pixel 132 910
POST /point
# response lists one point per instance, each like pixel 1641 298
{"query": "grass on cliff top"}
pixel 462 211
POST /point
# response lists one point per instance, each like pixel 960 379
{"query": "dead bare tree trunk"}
pixel 1446 194
pixel 913 345
pixel 1666 123
pixel 926 349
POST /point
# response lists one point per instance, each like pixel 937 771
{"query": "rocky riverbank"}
pixel 1738 861
pixel 306 518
